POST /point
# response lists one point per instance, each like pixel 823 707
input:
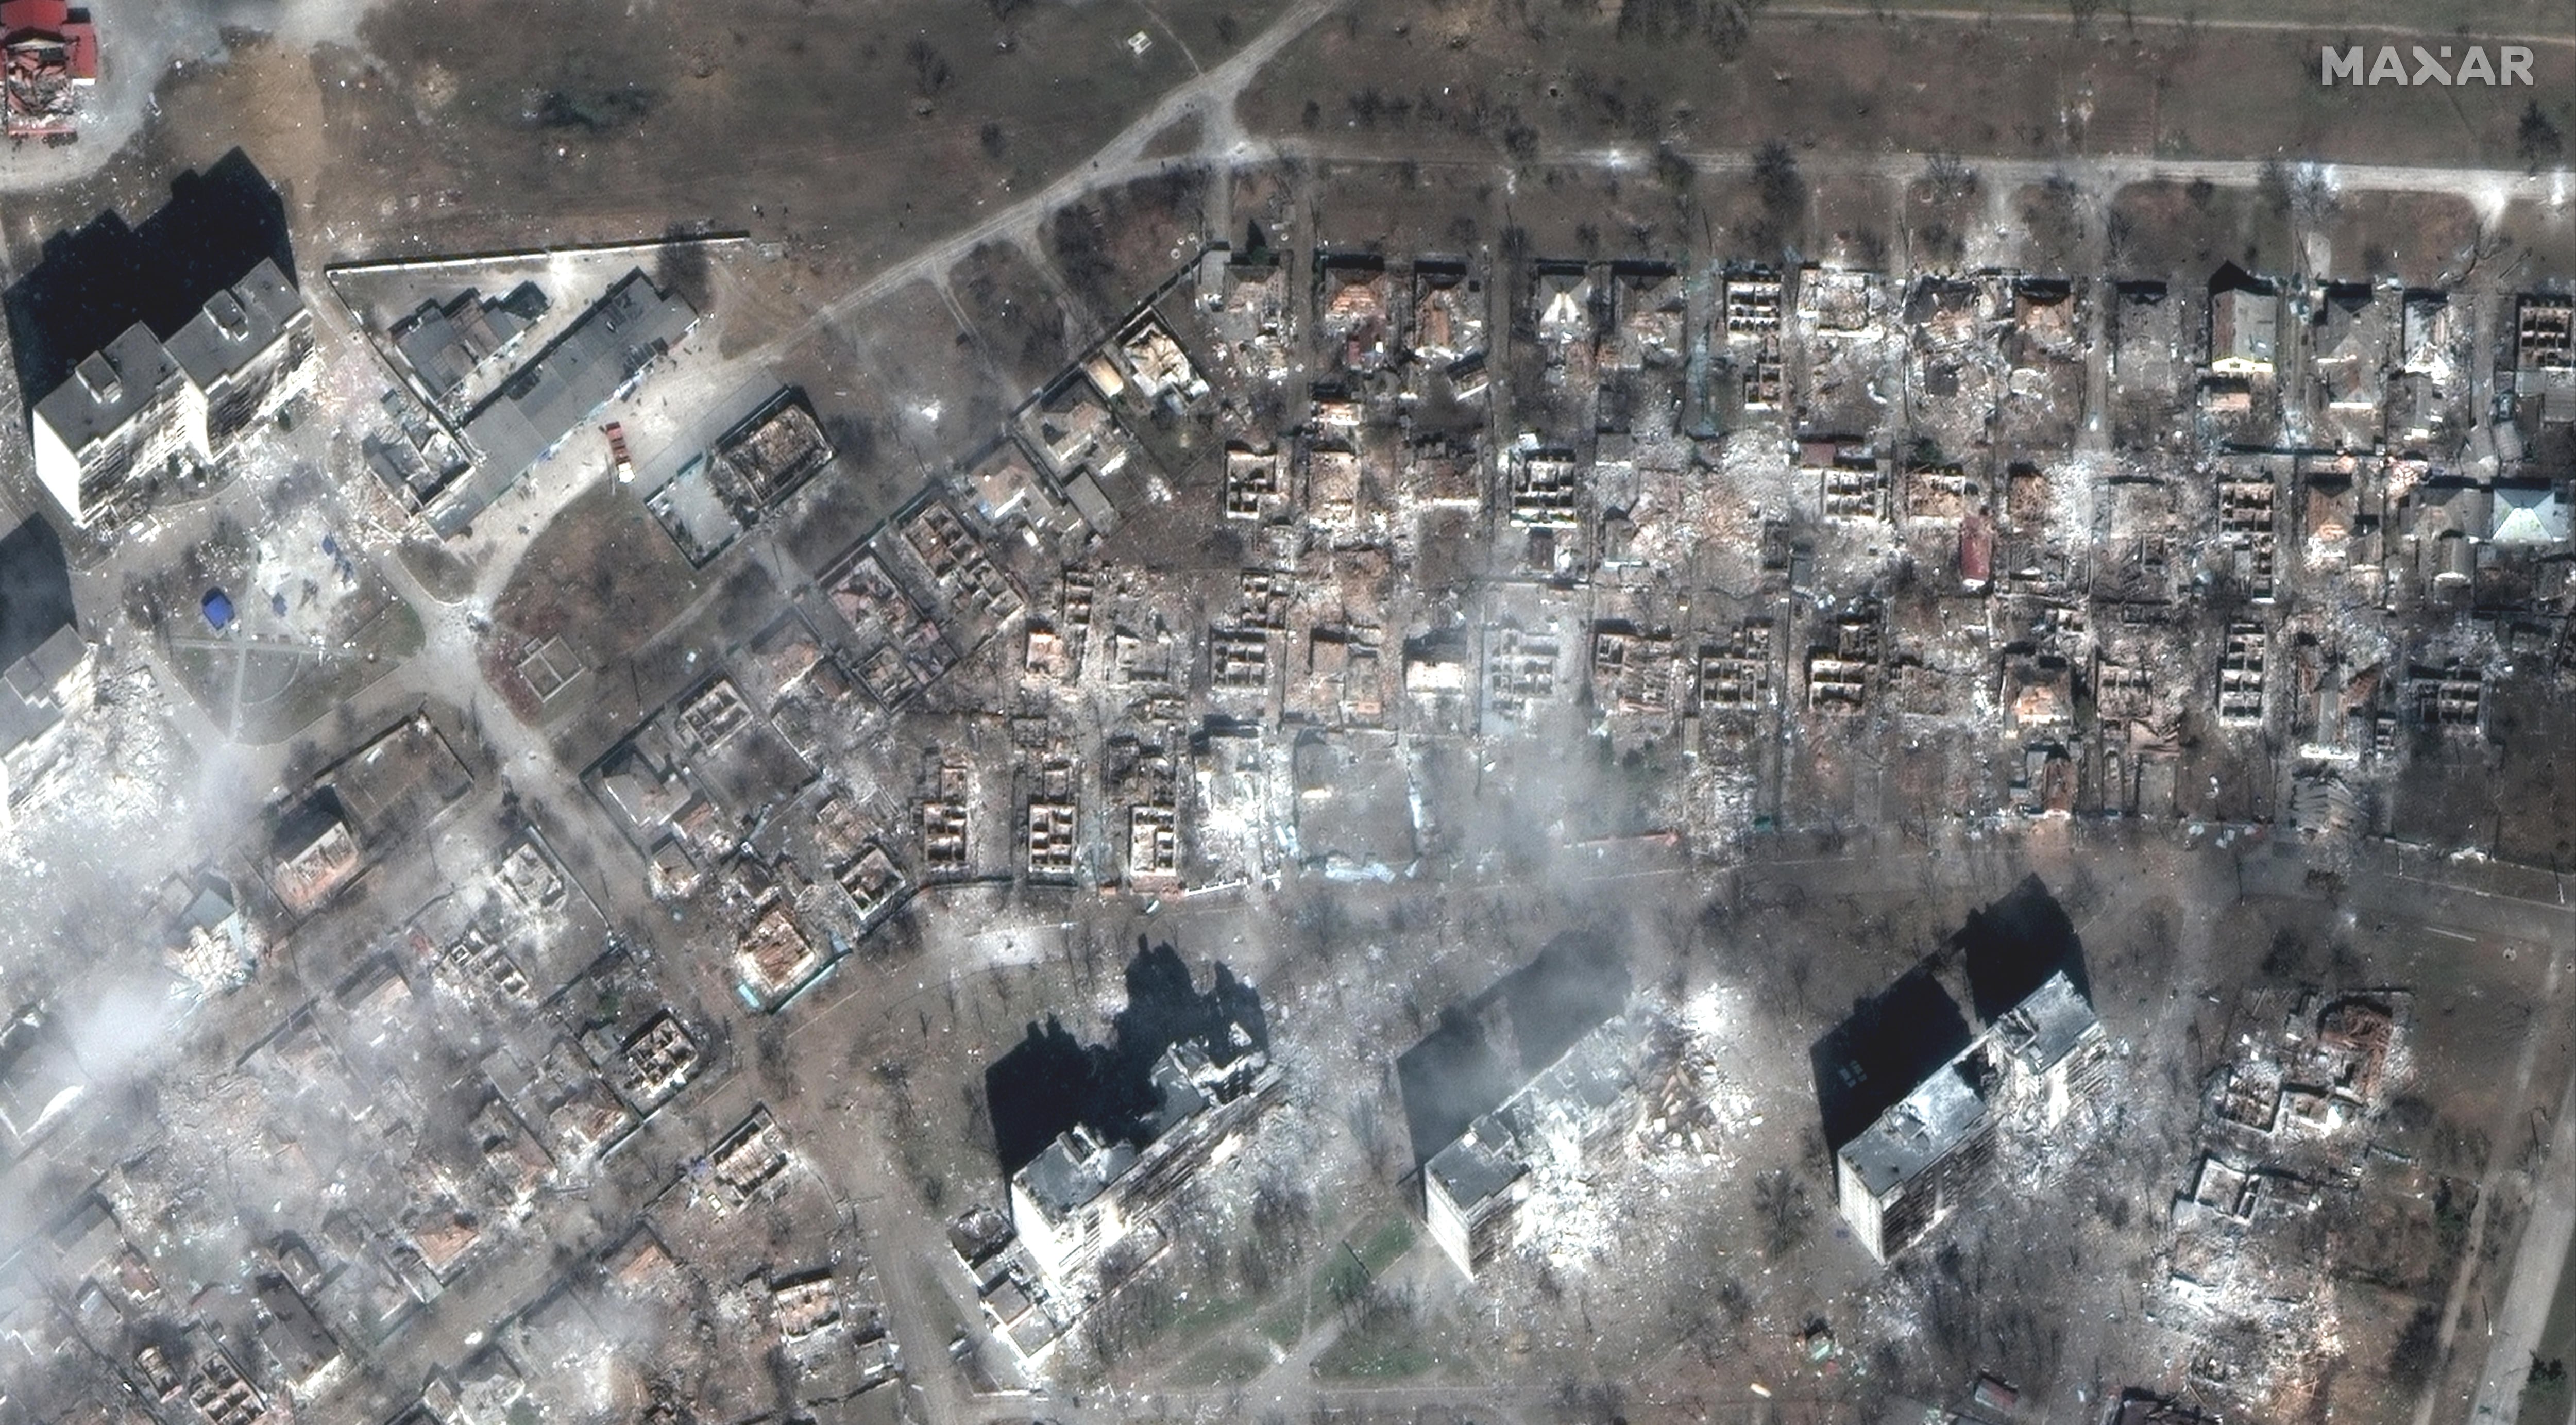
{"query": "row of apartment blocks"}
pixel 143 407
pixel 146 410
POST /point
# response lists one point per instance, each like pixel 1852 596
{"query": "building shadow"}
pixel 1449 1080
pixel 1484 1049
pixel 35 588
pixel 2011 947
pixel 1051 1081
pixel 97 280
pixel 298 825
pixel 1892 1041
pixel 1895 1039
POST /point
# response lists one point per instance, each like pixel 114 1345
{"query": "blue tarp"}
pixel 218 608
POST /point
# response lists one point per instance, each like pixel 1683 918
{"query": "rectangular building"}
pixel 1569 1115
pixel 126 416
pixel 586 368
pixel 249 350
pixel 1086 1193
pixel 38 695
pixel 1926 1155
pixel 1908 1170
pixel 142 407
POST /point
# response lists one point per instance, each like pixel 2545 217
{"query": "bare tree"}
pixel 1947 178
pixel 1781 189
pixel 929 68
pixel 2535 137
pixel 1787 1218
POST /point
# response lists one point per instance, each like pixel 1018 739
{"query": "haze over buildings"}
pixel 1345 712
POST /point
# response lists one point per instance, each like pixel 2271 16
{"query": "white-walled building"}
pixel 142 408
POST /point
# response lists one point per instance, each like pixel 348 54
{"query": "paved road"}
pixel 2536 1268
pixel 2057 18
pixel 448 667
pixel 1209 97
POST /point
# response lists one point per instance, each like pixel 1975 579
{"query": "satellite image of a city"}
pixel 1305 712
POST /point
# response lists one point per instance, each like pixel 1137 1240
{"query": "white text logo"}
pixel 2512 65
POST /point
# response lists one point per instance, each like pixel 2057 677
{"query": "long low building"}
pixel 143 405
pixel 587 367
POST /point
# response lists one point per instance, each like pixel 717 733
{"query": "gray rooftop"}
pixel 1074 1169
pixel 1177 1097
pixel 237 325
pixel 445 343
pixel 108 387
pixel 2244 325
pixel 29 706
pixel 2347 316
pixel 1924 1127
pixel 1484 1161
pixel 1586 1079
pixel 584 370
pixel 46 664
pixel 2529 514
pixel 1078 1166
pixel 2047 1026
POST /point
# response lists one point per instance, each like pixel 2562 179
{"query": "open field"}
pixel 1435 80
pixel 814 124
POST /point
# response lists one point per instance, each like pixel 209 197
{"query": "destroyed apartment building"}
pixel 1927 1156
pixel 52 58
pixel 1088 1193
pixel 48 667
pixel 39 693
pixel 1401 578
pixel 1564 1122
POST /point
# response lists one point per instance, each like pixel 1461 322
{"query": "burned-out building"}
pixel 52 64
pixel 1916 1164
pixel 1562 1123
pixel 1087 1192
pixel 1925 1157
pixel 46 687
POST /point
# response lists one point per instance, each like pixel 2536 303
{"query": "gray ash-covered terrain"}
pixel 911 712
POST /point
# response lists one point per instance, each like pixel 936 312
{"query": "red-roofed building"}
pixel 48 54
pixel 1976 552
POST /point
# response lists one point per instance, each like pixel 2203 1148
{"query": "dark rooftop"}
pixel 565 385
